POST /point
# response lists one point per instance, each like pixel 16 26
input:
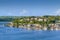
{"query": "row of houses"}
pixel 38 19
pixel 39 27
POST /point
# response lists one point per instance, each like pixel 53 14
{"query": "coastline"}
pixel 34 27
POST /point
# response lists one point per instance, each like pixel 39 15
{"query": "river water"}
pixel 7 33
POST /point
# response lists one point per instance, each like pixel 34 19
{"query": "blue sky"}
pixel 29 7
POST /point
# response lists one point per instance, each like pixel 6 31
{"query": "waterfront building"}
pixel 40 19
pixel 36 18
pixel 10 24
pixel 44 28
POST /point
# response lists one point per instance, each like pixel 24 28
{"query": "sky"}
pixel 29 7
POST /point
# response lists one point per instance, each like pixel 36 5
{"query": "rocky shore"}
pixel 36 26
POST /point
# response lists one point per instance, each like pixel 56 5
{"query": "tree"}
pixel 17 21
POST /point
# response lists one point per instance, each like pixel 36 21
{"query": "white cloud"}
pixel 23 11
pixel 57 12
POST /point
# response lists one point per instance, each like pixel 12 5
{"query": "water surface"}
pixel 7 33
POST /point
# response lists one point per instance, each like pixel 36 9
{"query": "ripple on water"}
pixel 7 33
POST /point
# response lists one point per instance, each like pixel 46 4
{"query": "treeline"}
pixel 10 18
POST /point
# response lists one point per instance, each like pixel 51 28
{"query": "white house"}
pixel 40 19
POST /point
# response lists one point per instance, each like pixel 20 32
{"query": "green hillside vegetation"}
pixel 50 20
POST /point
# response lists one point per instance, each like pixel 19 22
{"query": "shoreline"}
pixel 35 27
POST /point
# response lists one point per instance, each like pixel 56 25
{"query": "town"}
pixel 36 22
